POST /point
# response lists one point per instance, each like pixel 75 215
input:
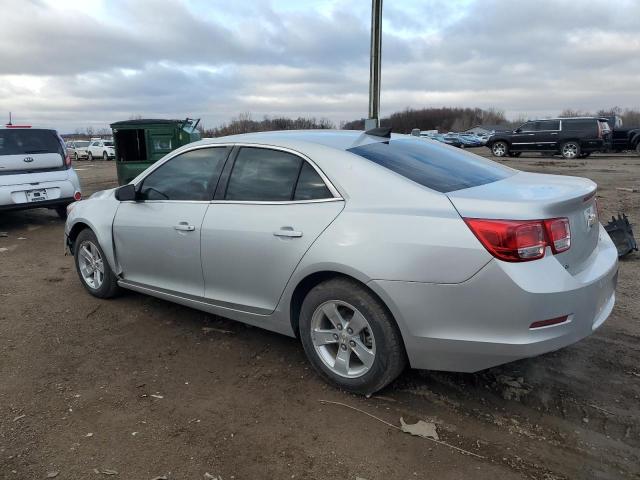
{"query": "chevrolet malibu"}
pixel 375 249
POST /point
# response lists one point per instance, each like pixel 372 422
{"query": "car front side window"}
pixel 190 176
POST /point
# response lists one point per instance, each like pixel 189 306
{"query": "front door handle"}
pixel 184 227
pixel 288 232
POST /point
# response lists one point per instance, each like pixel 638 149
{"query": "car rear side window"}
pixel 263 175
pixel 192 175
pixel 310 185
pixel 438 167
pixel 29 141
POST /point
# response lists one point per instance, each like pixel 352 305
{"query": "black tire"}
pixel 62 212
pixel 570 150
pixel 500 149
pixel 105 156
pixel 109 287
pixel 390 356
pixel 90 157
pixel 75 156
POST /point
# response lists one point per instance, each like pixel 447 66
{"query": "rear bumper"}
pixel 59 192
pixel 485 321
pixel 59 202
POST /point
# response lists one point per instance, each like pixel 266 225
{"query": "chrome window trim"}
pixel 337 196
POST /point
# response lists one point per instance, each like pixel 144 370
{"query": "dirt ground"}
pixel 149 389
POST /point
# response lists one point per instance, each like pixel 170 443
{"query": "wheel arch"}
pixel 306 284
pixel 75 231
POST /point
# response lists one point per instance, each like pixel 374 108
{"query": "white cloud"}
pixel 71 64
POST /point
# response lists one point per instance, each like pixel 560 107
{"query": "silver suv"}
pixel 35 170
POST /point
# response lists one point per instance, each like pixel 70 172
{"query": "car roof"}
pixel 337 139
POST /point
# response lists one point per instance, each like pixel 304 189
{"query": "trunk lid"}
pixel 534 196
pixel 30 150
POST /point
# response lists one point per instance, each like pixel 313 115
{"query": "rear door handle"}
pixel 184 227
pixel 288 232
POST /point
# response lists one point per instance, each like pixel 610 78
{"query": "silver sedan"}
pixel 376 250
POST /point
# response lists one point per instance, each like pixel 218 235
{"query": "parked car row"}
pixel 460 140
pixel 96 148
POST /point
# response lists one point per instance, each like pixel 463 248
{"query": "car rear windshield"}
pixel 31 141
pixel 82 144
pixel 435 166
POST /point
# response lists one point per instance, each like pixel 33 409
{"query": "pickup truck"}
pixel 623 138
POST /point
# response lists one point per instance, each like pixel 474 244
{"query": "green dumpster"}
pixel 141 142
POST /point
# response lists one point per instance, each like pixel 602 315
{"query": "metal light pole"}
pixel 374 68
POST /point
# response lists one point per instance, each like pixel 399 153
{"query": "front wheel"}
pixel 500 149
pixel 92 266
pixel 90 157
pixel 570 150
pixel 350 338
pixel 105 156
pixel 75 156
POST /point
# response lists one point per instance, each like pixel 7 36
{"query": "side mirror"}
pixel 127 193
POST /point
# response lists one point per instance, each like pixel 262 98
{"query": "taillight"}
pixel 77 196
pixel 521 240
pixel 559 234
pixel 67 160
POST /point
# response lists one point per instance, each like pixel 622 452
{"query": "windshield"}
pixel 31 141
pixel 432 165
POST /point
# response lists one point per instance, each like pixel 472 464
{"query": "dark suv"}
pixel 569 137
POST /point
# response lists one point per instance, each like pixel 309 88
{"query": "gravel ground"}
pixel 148 389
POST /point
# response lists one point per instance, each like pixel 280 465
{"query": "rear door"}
pixel 547 135
pixel 30 150
pixel 157 238
pixel 265 217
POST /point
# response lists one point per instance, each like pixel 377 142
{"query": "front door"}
pixel 157 237
pixel 524 138
pixel 274 206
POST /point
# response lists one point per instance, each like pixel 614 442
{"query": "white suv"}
pixel 35 170
pixel 101 149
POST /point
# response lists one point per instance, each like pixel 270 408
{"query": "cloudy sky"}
pixel 78 63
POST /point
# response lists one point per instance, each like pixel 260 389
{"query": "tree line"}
pixel 443 119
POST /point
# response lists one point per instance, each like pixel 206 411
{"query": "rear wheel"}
pixel 92 266
pixel 62 212
pixel 570 150
pixel 105 156
pixel 90 157
pixel 350 338
pixel 500 149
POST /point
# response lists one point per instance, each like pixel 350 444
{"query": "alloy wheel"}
pixel 343 339
pixel 570 150
pixel 91 264
pixel 499 149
